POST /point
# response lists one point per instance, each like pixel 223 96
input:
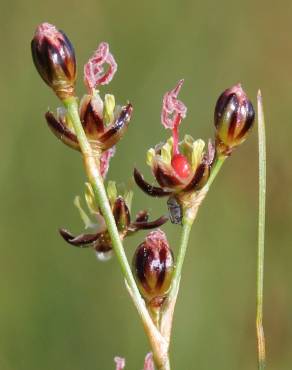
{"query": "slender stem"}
pixel 167 318
pixel 157 342
pixel 216 168
pixel 187 225
pixel 185 235
pixel 261 235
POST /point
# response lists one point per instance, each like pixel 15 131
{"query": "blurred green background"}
pixel 61 309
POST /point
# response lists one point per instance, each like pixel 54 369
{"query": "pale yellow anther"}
pixel 109 107
pixel 112 192
pixel 150 156
pixel 128 197
pixel 197 153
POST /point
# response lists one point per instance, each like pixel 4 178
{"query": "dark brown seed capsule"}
pixel 54 58
pixel 121 214
pixel 153 265
pixel 233 119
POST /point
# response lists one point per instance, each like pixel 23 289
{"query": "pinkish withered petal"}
pixel 94 71
pixel 91 116
pixel 147 225
pixel 120 363
pixel 105 160
pixel 166 176
pixel 116 130
pixel 200 178
pixel 82 240
pixel 149 364
pixel 121 214
pixel 172 108
pixel 61 131
pixel 153 191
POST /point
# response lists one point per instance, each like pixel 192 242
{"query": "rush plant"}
pixel 184 171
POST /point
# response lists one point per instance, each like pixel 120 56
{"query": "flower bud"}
pixel 54 58
pixel 153 265
pixel 233 118
pixel 122 215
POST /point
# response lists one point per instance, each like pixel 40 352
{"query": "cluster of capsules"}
pixel 179 167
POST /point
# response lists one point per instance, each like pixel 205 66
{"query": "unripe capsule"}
pixel 54 58
pixel 153 265
pixel 233 118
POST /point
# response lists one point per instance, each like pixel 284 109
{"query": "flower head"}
pixel 99 238
pixel 54 58
pixel 177 166
pixel 103 121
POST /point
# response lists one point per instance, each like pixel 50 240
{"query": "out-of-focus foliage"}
pixel 61 309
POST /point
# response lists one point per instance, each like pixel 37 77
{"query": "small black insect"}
pixel 175 211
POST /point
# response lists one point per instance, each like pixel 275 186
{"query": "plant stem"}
pixel 158 344
pixel 261 234
pixel 216 168
pixel 187 225
pixel 185 235
pixel 187 222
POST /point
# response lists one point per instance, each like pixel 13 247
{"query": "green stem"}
pixel 261 235
pixel 157 342
pixel 216 168
pixel 187 225
pixel 185 235
pixel 187 222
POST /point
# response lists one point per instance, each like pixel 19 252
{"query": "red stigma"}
pixel 180 165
